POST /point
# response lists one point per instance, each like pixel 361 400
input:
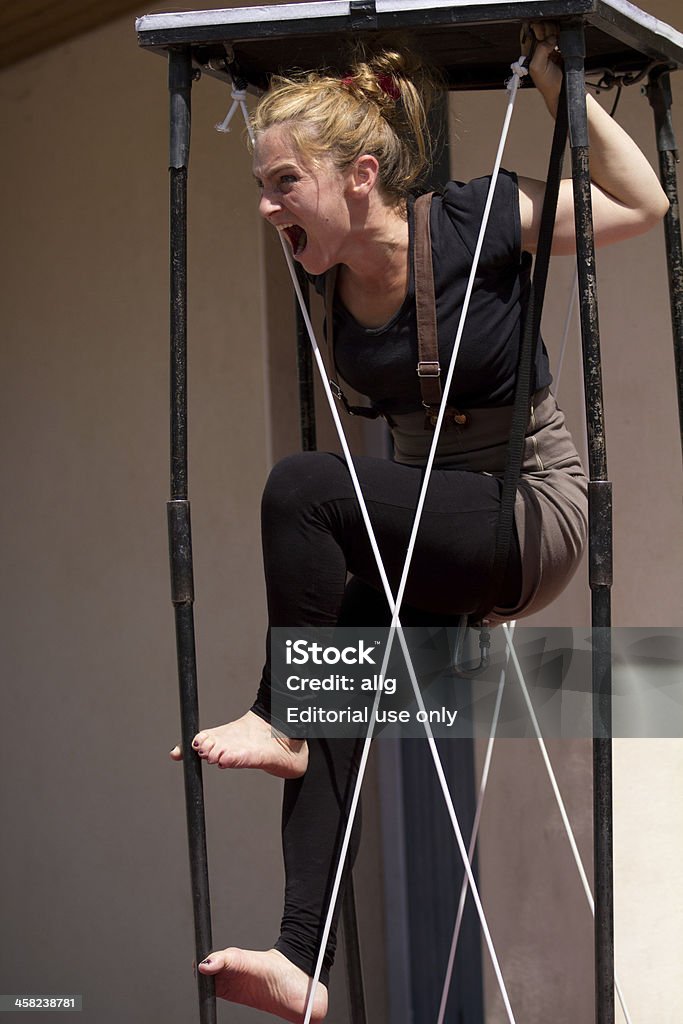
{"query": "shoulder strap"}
pixel 428 367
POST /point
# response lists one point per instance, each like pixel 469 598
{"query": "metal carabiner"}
pixel 484 649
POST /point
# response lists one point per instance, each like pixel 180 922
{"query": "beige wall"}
pixel 95 881
pixel 95 890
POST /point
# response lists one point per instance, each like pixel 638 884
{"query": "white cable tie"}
pixel 519 71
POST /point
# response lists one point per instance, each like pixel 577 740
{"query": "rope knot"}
pixel 519 71
pixel 239 102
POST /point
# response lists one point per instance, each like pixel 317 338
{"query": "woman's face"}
pixel 305 201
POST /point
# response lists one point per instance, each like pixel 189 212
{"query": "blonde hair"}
pixel 379 107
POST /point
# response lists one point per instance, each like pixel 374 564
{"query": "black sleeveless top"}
pixel 381 362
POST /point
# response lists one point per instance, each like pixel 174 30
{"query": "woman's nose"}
pixel 267 206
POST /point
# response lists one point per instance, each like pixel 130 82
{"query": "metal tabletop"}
pixel 472 41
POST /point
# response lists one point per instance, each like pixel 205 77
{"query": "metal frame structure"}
pixel 472 42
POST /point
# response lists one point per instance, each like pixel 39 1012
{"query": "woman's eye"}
pixel 285 182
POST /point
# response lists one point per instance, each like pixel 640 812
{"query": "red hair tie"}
pixel 388 86
pixel 386 83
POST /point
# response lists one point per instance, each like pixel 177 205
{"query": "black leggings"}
pixel 313 537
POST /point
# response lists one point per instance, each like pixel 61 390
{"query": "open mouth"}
pixel 297 237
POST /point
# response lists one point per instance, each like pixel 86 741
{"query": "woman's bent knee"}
pixel 302 479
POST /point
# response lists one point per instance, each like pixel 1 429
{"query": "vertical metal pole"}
pixel 354 964
pixel 179 533
pixel 304 363
pixel 600 524
pixel 659 95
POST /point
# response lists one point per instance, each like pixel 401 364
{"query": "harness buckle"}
pixel 429 368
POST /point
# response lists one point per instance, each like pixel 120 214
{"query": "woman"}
pixel 335 159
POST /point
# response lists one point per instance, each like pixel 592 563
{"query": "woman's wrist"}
pixel 551 100
pixel 544 68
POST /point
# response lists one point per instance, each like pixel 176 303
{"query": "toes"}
pixel 228 759
pixel 204 743
pixel 211 751
pixel 214 962
pixel 199 740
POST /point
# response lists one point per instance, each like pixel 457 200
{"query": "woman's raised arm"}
pixel 626 195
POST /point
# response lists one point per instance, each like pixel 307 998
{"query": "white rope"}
pixel 510 651
pixel 475 834
pixel 571 305
pixel 239 102
pixel 558 796
pixel 395 630
pixel 395 605
pixel 458 338
pixel 574 292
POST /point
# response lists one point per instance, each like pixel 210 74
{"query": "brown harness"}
pixel 428 366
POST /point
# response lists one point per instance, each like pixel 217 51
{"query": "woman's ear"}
pixel 364 175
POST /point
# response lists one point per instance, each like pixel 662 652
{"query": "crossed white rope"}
pixel 395 605
pixel 239 101
pixel 510 650
pixel 511 653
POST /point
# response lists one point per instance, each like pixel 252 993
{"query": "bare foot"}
pixel 251 742
pixel 267 981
